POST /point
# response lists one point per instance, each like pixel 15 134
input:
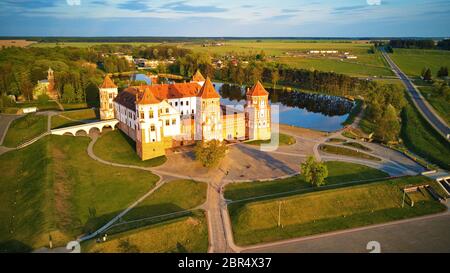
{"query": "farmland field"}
pixel 412 61
pixel 18 43
pixel 367 64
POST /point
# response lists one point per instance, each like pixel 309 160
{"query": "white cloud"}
pixel 73 2
pixel 374 2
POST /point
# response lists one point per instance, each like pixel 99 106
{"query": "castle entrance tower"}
pixel 257 113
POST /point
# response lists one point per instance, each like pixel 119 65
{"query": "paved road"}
pixel 427 234
pixel 5 121
pixel 420 102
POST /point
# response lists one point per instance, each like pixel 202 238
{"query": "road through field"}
pixel 425 109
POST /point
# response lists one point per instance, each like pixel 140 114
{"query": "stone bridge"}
pixel 84 129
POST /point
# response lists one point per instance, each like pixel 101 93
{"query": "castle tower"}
pixel 108 92
pixel 51 90
pixel 257 113
pixel 198 78
pixel 208 121
pixel 149 132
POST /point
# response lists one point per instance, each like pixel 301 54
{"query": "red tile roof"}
pixel 159 91
pixel 147 97
pixel 208 91
pixel 108 83
pixel 257 90
pixel 198 77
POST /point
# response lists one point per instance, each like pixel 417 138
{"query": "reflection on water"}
pixel 313 111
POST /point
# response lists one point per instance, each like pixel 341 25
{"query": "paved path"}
pixel 426 109
pixel 424 234
pixel 5 121
pixel 91 154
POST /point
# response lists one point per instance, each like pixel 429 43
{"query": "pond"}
pixel 307 110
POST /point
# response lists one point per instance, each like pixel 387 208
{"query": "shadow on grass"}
pixel 137 217
pixel 14 246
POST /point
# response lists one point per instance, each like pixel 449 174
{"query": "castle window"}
pixel 174 121
pixel 142 115
pixel 192 111
pixel 176 103
pixel 152 128
pixel 167 110
pixel 110 105
pixel 181 103
pixel 181 112
pixel 110 95
pixel 150 114
pixel 170 103
pixel 167 122
pixel 187 103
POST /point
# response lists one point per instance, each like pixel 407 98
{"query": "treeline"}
pixel 420 44
pixel 75 71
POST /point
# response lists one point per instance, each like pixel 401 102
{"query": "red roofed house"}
pixel 163 116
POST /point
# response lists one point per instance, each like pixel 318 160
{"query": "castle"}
pixel 162 116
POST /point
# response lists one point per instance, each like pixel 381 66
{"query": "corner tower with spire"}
pixel 257 113
pixel 108 92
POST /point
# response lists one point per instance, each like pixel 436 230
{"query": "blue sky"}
pixel 275 18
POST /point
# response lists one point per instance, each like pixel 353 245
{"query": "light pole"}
pixel 279 213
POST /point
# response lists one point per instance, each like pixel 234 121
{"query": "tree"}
pixel 443 72
pixel 69 94
pixel 426 74
pixel 388 126
pixel 126 247
pixel 314 172
pixel 275 77
pixel 210 153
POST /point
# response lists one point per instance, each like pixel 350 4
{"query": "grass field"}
pixel 346 152
pixel 41 106
pixel 117 147
pixel 419 137
pixel 436 100
pixel 282 141
pixel 88 44
pixel 54 188
pixel 172 197
pixel 338 172
pixel 357 146
pixel 25 128
pixel 366 65
pixel 329 210
pixel 73 118
pixel 412 61
pixel 186 234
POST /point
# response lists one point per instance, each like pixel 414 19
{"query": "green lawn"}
pixel 183 235
pixel 338 172
pixel 357 146
pixel 54 188
pixel 48 105
pixel 72 118
pixel 172 197
pixel 25 128
pixel 436 100
pixel 412 61
pixel 346 152
pixel 419 137
pixel 115 146
pixel 329 210
pixel 283 140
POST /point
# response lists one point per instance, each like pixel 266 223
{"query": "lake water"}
pixel 313 111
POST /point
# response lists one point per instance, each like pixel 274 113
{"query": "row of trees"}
pixel 75 72
pixel 428 76
pixel 420 44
